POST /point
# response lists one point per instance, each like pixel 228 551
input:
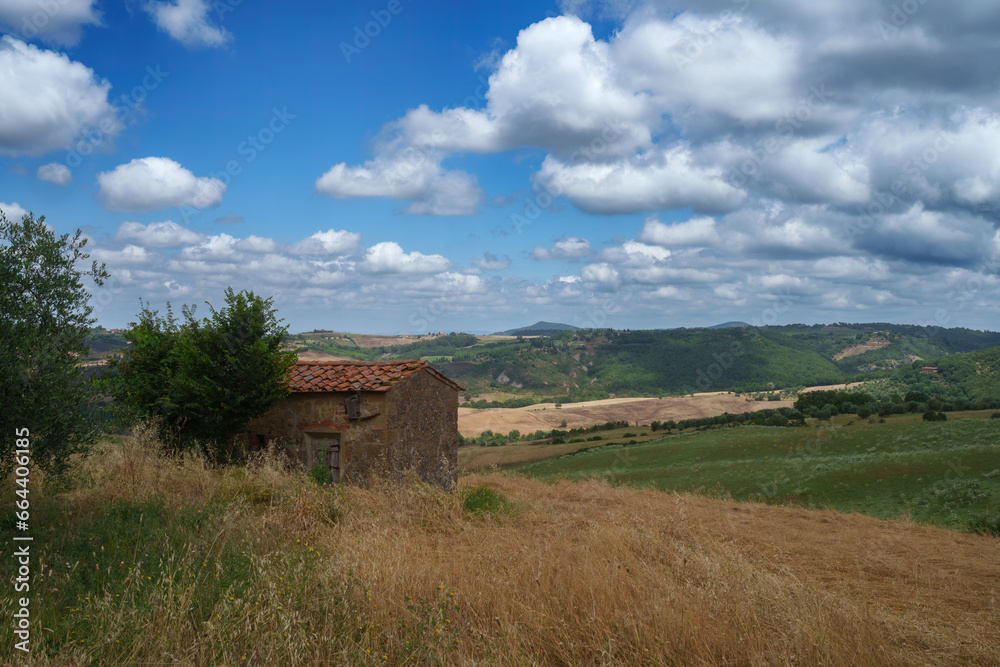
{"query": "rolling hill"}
pixel 585 364
pixel 539 329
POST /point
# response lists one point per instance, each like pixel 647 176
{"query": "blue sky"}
pixel 477 166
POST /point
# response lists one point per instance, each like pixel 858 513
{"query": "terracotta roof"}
pixel 319 376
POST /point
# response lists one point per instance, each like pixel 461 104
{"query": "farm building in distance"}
pixel 368 419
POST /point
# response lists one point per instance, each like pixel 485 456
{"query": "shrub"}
pixel 932 416
pixel 483 499
pixel 320 472
pixel 995 415
pixel 205 378
pixel 985 525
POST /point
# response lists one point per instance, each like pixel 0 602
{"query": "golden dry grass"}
pixel 590 574
pixel 579 573
pixel 473 457
pixel 545 416
pixel 478 457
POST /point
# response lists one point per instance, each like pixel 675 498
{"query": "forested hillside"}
pixel 971 376
pixel 878 346
pixel 708 360
pixel 597 363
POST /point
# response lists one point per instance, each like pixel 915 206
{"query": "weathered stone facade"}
pixel 406 423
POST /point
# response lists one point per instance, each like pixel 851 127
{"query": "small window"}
pixel 352 404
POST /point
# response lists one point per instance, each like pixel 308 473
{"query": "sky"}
pixel 407 166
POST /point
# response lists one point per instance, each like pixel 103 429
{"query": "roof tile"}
pixel 318 376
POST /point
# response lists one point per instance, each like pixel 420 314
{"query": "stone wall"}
pixel 423 427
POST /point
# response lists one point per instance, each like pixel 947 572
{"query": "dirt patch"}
pixel 546 416
pixel 855 350
pixel 831 387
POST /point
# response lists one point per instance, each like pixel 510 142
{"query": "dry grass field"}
pixel 473 457
pixel 546 416
pixel 150 560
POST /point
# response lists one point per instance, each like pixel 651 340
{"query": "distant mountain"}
pixel 730 325
pixel 539 329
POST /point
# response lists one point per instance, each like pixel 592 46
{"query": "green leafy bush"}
pixel 483 499
pixel 985 525
pixel 203 379
pixel 320 472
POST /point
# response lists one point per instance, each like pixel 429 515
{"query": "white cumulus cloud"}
pixel 388 257
pixel 55 172
pixel 151 183
pixel 564 248
pixel 48 100
pixel 601 273
pixel 166 234
pixel 188 22
pixel 690 233
pixel 56 22
pixel 635 254
pixel 667 178
pixel 13 211
pixel 559 89
pixel 330 242
pixel 410 174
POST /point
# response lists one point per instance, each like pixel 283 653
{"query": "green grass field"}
pixel 944 473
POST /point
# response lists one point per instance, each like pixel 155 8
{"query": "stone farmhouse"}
pixel 368 419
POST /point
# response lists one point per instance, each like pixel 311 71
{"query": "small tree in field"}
pixel 206 379
pixel 45 318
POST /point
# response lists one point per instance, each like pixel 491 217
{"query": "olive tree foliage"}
pixel 203 380
pixel 45 319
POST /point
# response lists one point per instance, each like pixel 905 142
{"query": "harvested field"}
pixel 546 416
pixel 366 340
pixel 312 355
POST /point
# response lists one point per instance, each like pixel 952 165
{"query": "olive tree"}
pixel 45 320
